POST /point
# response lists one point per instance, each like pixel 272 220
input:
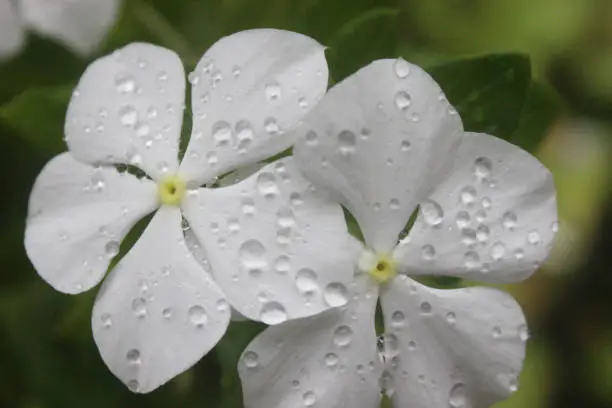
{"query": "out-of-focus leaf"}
pixel 228 350
pixel 38 116
pixel 367 37
pixel 539 111
pixel 489 92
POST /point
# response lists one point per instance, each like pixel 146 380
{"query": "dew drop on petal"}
pixel 309 399
pixel 432 212
pixel 457 396
pixel 428 252
pixel 197 315
pixel 306 281
pixel 533 237
pixel 425 308
pixel 401 68
pixel 273 91
pixel 106 320
pixel 343 336
pixel 250 359
pixel 139 306
pixel 266 184
pixel 463 219
pixel 482 168
pixel 222 133
pixel 509 220
pixel 335 294
pixel 133 357
pixel 331 359
pixel 272 313
pixel 498 250
pixel 468 195
pixel 111 249
pixel 398 319
pixel 128 116
pixel 311 138
pixel 403 100
pixel 471 260
pixel 346 142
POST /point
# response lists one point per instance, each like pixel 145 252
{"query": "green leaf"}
pixel 38 116
pixel 367 37
pixel 489 92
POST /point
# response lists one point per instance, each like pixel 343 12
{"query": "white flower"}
pixel 158 311
pixel 384 141
pixel 78 24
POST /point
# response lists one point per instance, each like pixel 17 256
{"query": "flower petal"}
pixel 249 91
pixel 457 348
pixel 158 312
pixel 493 219
pixel 327 361
pixel 278 249
pixel 78 216
pixel 380 141
pixel 12 33
pixel 128 108
pixel 81 25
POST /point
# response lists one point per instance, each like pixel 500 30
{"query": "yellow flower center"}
pixel 380 267
pixel 171 190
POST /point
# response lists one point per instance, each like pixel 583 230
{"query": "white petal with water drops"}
pixel 158 312
pixel 362 143
pixel 278 249
pixel 454 348
pixel 12 32
pixel 81 25
pixel 253 88
pixel 77 217
pixel 329 360
pixel 128 108
pixel 494 220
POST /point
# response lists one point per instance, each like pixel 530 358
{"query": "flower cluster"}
pixel 273 244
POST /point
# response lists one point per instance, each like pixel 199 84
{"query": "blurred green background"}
pixel 546 85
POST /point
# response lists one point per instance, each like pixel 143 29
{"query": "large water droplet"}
pixel 335 294
pixel 432 212
pixel 398 319
pixel 222 133
pixel 309 399
pixel 197 315
pixel 331 359
pixel 456 397
pixel 343 336
pixel 463 219
pixel 273 313
pixel 250 359
pixel 266 184
pixel 346 142
pixel 509 220
pixel 468 195
pixel 428 252
pixel 401 68
pixel 306 281
pixel 285 218
pixel 271 126
pixel 426 308
pixel 483 233
pixel 125 83
pixel 403 100
pixel 133 357
pixel 111 249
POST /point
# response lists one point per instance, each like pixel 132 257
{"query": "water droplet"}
pixel 405 145
pixel 498 250
pixel 468 236
pixel 463 219
pixel 482 168
pixel 523 333
pixel 197 316
pixel 250 359
pixel 273 313
pixel 483 233
pixel 346 142
pixel 451 318
pixel 401 68
pixel 309 399
pixel 296 199
pixel 302 103
pixel 285 218
pixel 335 294
pixel 139 306
pixel 428 252
pixel 266 184
pixel 471 260
pixel 432 212
pixel 193 78
pixel 128 116
pixel 311 137
pixel 403 100
pixel 398 319
pixel 343 336
pixel 106 320
pixel 111 249
pixel 306 281
pixel 519 253
pixel 509 220
pixel 497 332
pixel 167 313
pixel 456 397
pixel 486 203
pixel 331 359
pixel 236 71
pixel 468 195
pixel 133 385
pixel 222 133
pixel 252 256
pixel 248 206
pixel 125 83
pixel 133 357
pixel 394 204
pixel 533 237
pixel 245 134
pixel 273 91
pixel 282 264
pixel 271 126
pixel 426 308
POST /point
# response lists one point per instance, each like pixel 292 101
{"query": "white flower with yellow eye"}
pixel 383 142
pixel 78 24
pixel 158 311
